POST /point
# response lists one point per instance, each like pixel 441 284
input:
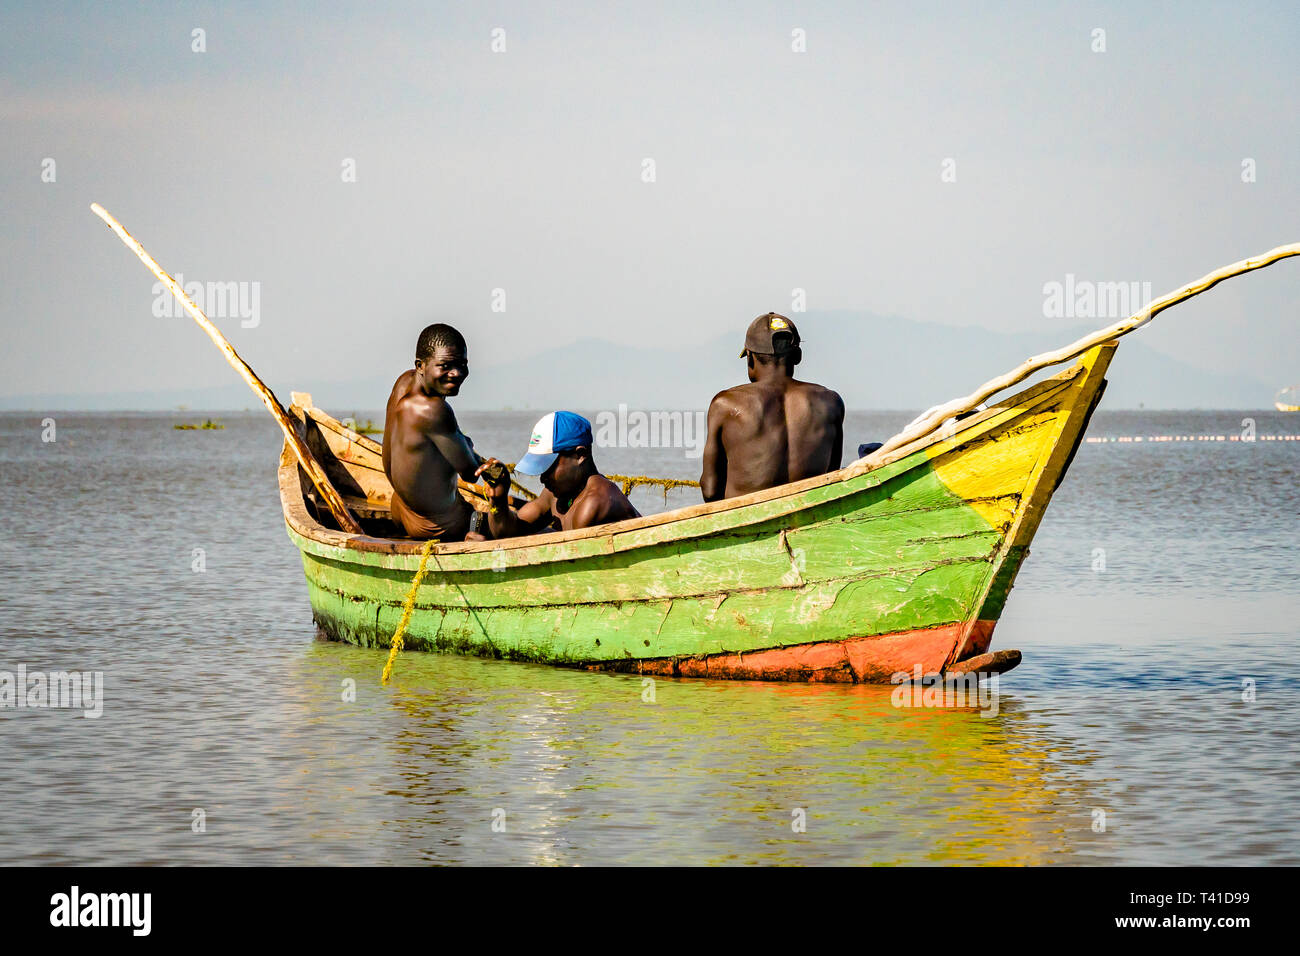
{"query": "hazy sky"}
pixel 522 170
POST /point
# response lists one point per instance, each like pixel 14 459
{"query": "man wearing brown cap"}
pixel 775 429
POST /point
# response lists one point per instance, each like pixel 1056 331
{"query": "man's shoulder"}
pixel 600 486
pixel 609 491
pixel 821 394
pixel 737 395
pixel 813 388
pixel 401 387
pixel 601 500
pixel 426 412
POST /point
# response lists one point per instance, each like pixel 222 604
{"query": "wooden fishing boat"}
pixel 900 562
pixel 857 575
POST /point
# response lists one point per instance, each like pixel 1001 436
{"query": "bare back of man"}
pixel 774 434
pixel 774 430
pixel 424 449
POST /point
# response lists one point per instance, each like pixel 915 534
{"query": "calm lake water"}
pixel 1162 581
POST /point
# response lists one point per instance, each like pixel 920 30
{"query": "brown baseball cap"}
pixel 764 329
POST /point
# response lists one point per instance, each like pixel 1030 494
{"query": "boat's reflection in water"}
pixel 497 762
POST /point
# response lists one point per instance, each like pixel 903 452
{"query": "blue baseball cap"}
pixel 556 432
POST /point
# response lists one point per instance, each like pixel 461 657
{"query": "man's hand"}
pixel 497 475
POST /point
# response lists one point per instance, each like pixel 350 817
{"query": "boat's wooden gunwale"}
pixel 333 424
pixel 607 538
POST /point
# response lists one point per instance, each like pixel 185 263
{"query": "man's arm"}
pixel 532 518
pixel 504 521
pixel 713 477
pixel 442 429
pixel 837 417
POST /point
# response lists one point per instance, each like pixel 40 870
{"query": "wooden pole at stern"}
pixel 305 458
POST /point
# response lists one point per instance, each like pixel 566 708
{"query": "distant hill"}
pixel 875 362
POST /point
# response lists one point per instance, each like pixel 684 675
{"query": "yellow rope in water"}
pixel 407 607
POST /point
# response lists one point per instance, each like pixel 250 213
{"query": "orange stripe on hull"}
pixel 858 660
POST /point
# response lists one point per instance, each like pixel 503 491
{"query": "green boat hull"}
pixel 854 576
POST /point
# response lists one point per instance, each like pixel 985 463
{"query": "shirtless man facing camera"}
pixel 424 448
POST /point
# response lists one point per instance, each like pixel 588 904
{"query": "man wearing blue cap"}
pixel 576 495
